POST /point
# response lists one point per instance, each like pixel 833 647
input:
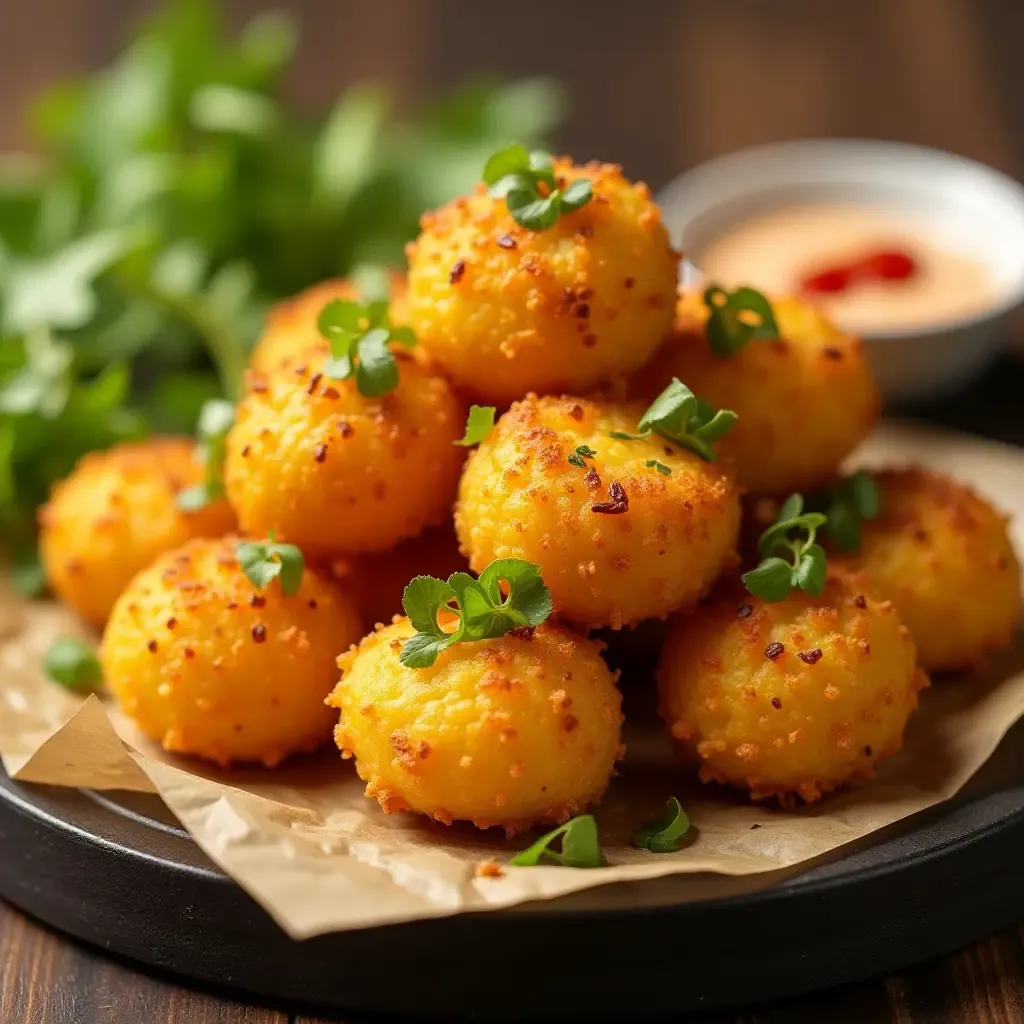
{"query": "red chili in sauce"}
pixel 886 265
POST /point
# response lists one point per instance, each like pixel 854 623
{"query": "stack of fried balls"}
pixel 535 393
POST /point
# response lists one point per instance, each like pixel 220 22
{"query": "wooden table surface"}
pixel 48 979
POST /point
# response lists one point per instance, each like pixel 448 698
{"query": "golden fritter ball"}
pixel 291 324
pixel 377 582
pixel 115 513
pixel 208 665
pixel 335 472
pixel 513 732
pixel 943 556
pixel 790 699
pixel 505 310
pixel 616 542
pixel 805 400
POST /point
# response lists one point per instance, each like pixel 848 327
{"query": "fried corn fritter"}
pixel 791 699
pixel 208 665
pixel 115 513
pixel 512 732
pixel 292 324
pixel 505 310
pixel 335 472
pixel 616 540
pixel 805 400
pixel 943 555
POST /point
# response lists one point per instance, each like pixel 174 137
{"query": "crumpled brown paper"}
pixel 305 843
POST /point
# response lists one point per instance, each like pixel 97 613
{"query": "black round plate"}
pixel 117 871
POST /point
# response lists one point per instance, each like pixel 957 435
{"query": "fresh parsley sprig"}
pixel 580 846
pixel 581 452
pixel 679 416
pixel 359 333
pixel 216 418
pixel 663 834
pixel 790 557
pixel 847 504
pixel 73 663
pixel 479 424
pixel 263 561
pixel 483 612
pixel 734 318
pixel 526 181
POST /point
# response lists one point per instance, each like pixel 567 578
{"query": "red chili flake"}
pixel 831 352
pixel 582 311
pixel 586 231
pixel 455 274
pixel 189 653
pixel 320 453
pixel 860 601
pixel 312 603
pixel 755 825
pixel 744 611
pixel 811 657
pixel 773 650
pixel 331 393
pixel 629 282
pixel 592 480
pixel 618 504
pixel 232 605
pixel 172 622
pixel 301 371
pixel 313 381
pixel 507 242
pixel 776 703
pixel 867 751
pixel 258 387
pixel 345 429
pixel 259 633
pixel 152 647
pixel 576 412
pixel 257 600
pixel 523 632
pixel 245 452
pixel 589 340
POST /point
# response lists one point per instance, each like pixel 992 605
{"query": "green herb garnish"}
pixel 359 333
pixel 736 318
pixel 482 612
pixel 526 181
pixel 479 424
pixel 262 561
pixel 216 419
pixel 804 565
pixel 580 846
pixel 679 416
pixel 663 834
pixel 73 663
pixel 847 504
pixel 659 466
pixel 581 452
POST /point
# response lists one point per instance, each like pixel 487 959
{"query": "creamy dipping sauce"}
pixel 783 250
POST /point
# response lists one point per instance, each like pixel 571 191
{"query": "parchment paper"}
pixel 305 843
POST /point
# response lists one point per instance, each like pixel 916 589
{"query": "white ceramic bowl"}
pixel 968 204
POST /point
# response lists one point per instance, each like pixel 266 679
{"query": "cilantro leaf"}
pixel 73 663
pixel 479 425
pixel 793 535
pixel 581 452
pixel 580 846
pixel 216 418
pixel 734 318
pixel 663 834
pixel 659 466
pixel 359 334
pixel 847 505
pixel 482 610
pixel 264 561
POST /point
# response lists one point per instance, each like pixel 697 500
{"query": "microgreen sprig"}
pixel 659 466
pixel 359 333
pixel 581 452
pixel 216 418
pixel 791 535
pixel 679 416
pixel 580 846
pixel 734 318
pixel 262 561
pixel 847 504
pixel 526 181
pixel 73 663
pixel 482 611
pixel 663 834
pixel 479 424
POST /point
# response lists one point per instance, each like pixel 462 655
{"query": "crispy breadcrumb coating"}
pixel 512 732
pixel 208 665
pixel 792 699
pixel 504 310
pixel 115 513
pixel 617 541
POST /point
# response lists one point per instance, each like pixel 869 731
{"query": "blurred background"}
pixel 656 85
